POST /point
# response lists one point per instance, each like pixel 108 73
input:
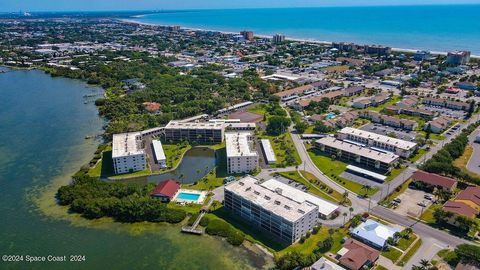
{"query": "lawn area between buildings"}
pixel 281 146
pixel 315 186
pixel 418 155
pixel 392 254
pixel 333 168
pixel 390 102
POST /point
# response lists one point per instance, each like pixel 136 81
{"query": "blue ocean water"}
pixel 435 27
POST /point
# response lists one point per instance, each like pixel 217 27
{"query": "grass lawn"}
pixel 174 153
pixel 314 185
pixel 390 102
pixel 462 161
pixel 336 69
pixel 410 253
pixel 392 254
pixel 215 177
pixel 260 109
pixel 387 200
pixel 145 172
pixel 311 243
pixel 309 130
pixel 403 243
pixel 427 215
pixel 104 166
pixel 379 267
pixel 280 145
pixel 394 173
pixel 418 155
pixel 333 168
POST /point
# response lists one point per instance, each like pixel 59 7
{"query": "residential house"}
pixel 355 256
pixel 352 91
pixel 439 124
pixel 374 233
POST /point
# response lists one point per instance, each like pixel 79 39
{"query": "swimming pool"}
pixel 188 196
pixel 329 116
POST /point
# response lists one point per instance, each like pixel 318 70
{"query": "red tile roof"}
pixel 434 179
pixel 358 255
pixel 460 208
pixel 151 106
pixel 167 188
pixel 471 194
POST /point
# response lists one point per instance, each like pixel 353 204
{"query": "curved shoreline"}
pixel 308 40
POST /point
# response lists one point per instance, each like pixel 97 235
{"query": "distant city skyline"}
pixel 104 5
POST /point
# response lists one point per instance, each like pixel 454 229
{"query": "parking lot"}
pixel 385 130
pixel 291 183
pixel 456 114
pixel 409 202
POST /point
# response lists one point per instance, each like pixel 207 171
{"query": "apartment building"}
pixel 201 132
pixel 241 154
pixel 357 154
pixel 270 211
pixel 128 154
pixel 378 142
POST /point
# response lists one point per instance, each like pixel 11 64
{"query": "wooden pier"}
pixel 193 229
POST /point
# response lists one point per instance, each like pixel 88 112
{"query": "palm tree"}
pixel 345 196
pixel 344 216
pixel 367 188
pixel 351 210
pixel 425 264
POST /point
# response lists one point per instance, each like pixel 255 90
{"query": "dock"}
pixel 193 229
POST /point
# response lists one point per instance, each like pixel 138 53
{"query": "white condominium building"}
pixel 282 217
pixel 241 154
pixel 159 154
pixel 378 142
pixel 127 153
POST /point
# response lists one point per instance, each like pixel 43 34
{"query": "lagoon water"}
pixel 43 122
pixel 436 28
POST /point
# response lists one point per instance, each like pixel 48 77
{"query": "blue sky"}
pixel 88 5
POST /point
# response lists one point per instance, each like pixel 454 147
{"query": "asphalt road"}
pixel 473 164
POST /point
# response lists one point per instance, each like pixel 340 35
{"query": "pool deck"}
pixel 200 200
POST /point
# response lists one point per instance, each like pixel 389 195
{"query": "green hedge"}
pixel 221 228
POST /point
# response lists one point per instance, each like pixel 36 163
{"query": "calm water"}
pixel 436 28
pixel 43 122
pixel 196 163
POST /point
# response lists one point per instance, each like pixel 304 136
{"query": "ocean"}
pixel 438 28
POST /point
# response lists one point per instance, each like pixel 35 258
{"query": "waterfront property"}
pixel 374 233
pixel 241 154
pixel 200 132
pixel 325 209
pixel 159 154
pixel 166 190
pixel 270 211
pixel 127 153
pixel 378 142
pixel 357 154
pixel 190 196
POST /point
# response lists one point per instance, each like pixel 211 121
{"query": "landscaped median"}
pixel 315 186
pixel 284 149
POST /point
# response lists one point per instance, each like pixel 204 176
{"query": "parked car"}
pixel 422 204
pixel 428 197
pixel 397 200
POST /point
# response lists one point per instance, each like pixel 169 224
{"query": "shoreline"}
pixel 307 40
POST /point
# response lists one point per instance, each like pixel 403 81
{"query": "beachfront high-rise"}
pixel 248 35
pixel 458 57
pixel 278 39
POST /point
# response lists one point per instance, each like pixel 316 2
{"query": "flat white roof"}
pixel 379 138
pixel 278 204
pixel 367 172
pixel 158 150
pixel 239 144
pixel 358 150
pixel 324 207
pixel 268 150
pixel 199 125
pixel 126 144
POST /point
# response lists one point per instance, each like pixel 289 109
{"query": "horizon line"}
pixel 240 8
